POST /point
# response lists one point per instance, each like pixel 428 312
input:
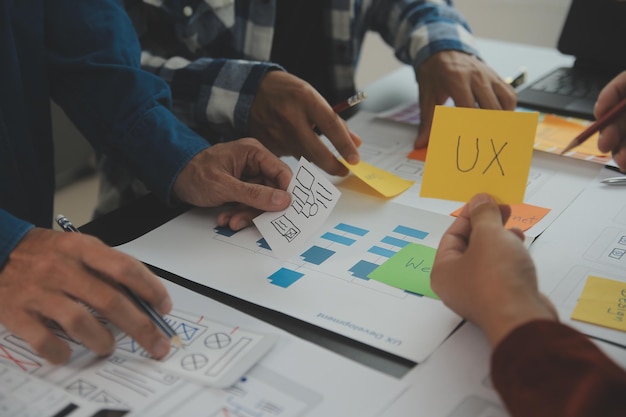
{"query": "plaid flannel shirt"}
pixel 214 53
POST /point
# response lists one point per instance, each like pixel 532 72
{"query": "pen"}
pixel 597 125
pixel 349 102
pixel 155 317
pixel 614 181
pixel 517 80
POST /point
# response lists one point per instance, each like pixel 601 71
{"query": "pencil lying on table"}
pixel 596 126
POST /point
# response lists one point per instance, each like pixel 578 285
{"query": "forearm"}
pixel 122 110
pixel 544 368
pixel 417 29
pixel 211 94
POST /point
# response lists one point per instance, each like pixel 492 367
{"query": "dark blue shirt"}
pixel 84 55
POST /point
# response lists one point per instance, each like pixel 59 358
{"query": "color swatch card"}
pixel 477 150
pixel 313 197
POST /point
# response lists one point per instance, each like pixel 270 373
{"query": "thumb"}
pixel 484 210
pixel 259 196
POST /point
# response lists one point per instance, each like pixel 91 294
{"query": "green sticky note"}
pixel 409 270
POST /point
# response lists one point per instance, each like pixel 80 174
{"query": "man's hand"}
pixel 613 137
pixel 484 273
pixel 241 171
pixel 283 115
pixel 54 276
pixel 465 79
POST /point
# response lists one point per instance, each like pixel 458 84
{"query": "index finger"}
pixel 336 130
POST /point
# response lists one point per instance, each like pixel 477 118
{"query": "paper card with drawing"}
pixel 313 198
pixel 479 150
pixel 213 354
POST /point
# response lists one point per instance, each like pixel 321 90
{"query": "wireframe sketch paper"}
pixel 313 197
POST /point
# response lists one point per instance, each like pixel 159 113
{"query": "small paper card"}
pixel 313 197
pixel 476 150
pixel 602 302
pixel 386 183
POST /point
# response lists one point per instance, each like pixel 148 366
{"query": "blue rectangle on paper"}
pixel 408 231
pixel 338 238
pixel 316 255
pixel 224 231
pixel 390 240
pixel 285 277
pixel 362 269
pixel 377 250
pixel 351 229
pixel 262 243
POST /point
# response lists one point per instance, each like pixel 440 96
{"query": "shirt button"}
pixel 187 11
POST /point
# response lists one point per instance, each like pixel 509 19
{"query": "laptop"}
pixel 594 33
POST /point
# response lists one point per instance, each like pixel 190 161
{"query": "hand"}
pixel 613 137
pixel 241 171
pixel 464 78
pixel 47 274
pixel 283 115
pixel 484 273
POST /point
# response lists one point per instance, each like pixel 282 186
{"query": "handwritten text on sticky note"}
pixel 478 150
pixel 523 216
pixel 602 302
pixel 409 269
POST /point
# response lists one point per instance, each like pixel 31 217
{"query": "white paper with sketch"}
pixel 294 379
pixel 313 197
pixel 327 283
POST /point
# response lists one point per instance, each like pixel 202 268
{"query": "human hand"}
pixel 241 171
pixel 484 273
pixel 54 276
pixel 283 115
pixel 613 136
pixel 464 78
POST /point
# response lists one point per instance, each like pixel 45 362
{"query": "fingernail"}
pixel 353 159
pixel 166 306
pixel 242 224
pixel 480 199
pixel 280 198
pixel 161 348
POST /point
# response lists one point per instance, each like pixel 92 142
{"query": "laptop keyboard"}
pixel 572 83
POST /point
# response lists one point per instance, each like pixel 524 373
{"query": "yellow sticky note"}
pixel 478 150
pixel 386 183
pixel 602 302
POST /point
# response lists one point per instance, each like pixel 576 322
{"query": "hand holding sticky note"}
pixel 476 150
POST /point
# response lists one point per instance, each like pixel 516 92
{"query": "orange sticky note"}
pixel 418 154
pixel 523 216
pixel 555 133
pixel 386 183
pixel 476 150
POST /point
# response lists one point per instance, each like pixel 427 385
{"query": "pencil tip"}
pixel 176 340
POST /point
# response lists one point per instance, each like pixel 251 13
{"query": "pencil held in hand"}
pixel 596 126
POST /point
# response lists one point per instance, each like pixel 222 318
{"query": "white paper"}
pixel 313 197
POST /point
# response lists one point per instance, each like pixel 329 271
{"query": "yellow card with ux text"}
pixel 386 183
pixel 478 150
pixel 602 302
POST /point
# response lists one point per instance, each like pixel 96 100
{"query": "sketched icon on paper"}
pixel 308 195
pixel 286 228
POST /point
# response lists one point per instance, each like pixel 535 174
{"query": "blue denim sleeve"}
pixel 124 111
pixel 12 230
